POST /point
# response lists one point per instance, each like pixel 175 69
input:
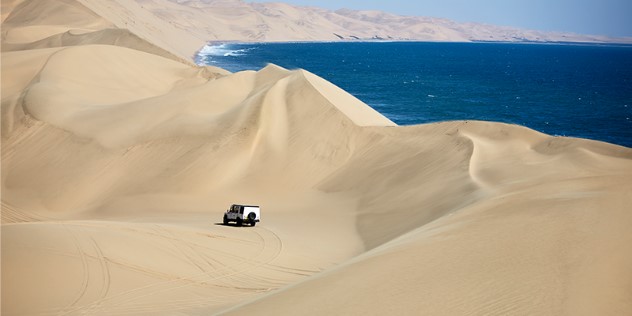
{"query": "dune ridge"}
pixel 119 157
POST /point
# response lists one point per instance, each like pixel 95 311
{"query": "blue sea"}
pixel 559 89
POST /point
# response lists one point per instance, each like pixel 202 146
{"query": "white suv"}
pixel 242 214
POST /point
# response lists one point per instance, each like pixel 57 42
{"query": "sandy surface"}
pixel 119 158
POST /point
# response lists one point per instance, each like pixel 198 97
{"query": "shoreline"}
pixel 553 43
pixel 588 43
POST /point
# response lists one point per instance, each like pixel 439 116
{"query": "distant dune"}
pixel 236 20
pixel 119 157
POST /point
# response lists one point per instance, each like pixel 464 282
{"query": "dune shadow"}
pixel 231 225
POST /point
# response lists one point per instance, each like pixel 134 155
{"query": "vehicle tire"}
pixel 239 221
pixel 225 219
pixel 253 223
pixel 251 218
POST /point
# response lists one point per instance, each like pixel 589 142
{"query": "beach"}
pixel 120 156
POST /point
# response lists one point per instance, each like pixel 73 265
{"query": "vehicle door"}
pixel 233 212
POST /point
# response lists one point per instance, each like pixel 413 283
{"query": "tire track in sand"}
pixel 270 248
pixel 86 280
pixel 85 267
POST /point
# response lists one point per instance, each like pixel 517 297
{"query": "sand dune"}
pixel 237 20
pixel 119 158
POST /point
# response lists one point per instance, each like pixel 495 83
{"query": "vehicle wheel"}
pixel 239 221
pixel 253 223
pixel 251 218
pixel 225 220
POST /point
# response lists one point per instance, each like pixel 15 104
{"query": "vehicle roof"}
pixel 244 205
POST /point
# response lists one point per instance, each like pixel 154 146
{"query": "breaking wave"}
pixel 220 50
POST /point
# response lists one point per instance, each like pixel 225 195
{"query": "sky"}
pixel 594 17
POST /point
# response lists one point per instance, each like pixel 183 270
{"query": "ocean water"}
pixel 567 90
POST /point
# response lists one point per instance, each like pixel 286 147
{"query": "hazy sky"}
pixel 597 17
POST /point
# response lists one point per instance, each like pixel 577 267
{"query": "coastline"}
pixel 597 43
pixel 220 43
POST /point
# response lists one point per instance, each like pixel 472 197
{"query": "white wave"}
pixel 222 50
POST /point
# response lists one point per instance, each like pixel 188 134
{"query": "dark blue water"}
pixel 568 90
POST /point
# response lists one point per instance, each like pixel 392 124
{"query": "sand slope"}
pixel 118 161
pixel 549 237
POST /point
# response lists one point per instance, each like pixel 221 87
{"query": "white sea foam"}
pixel 222 50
